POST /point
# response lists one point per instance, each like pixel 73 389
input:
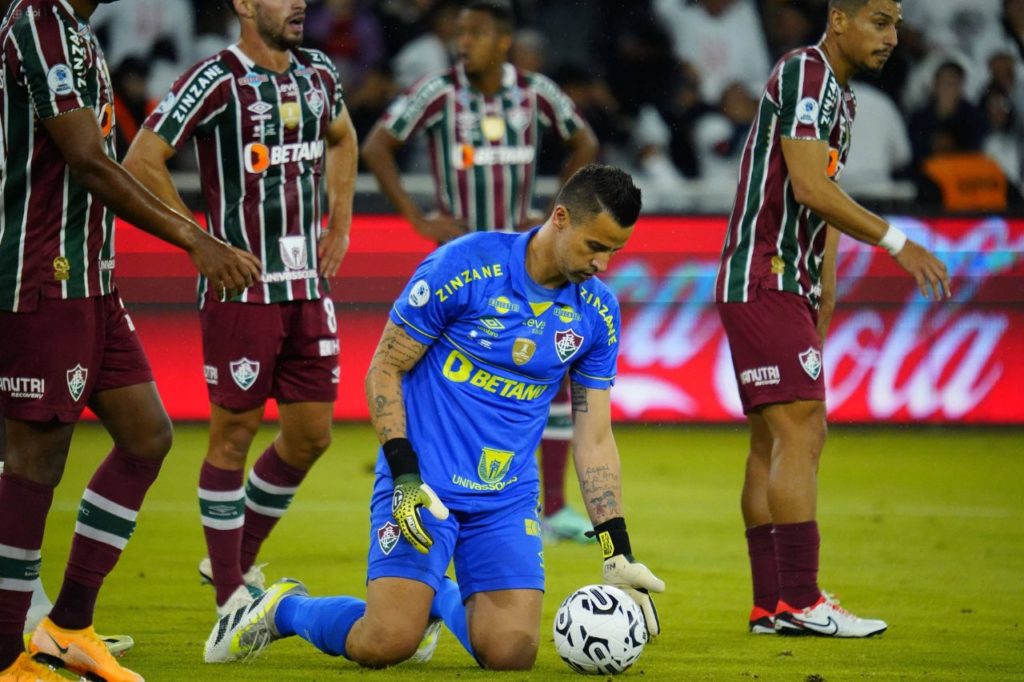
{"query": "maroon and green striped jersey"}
pixel 484 149
pixel 56 240
pixel 773 242
pixel 260 139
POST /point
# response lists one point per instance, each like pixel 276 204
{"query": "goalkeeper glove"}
pixel 410 494
pixel 627 574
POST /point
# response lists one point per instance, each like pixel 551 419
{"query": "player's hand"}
pixel 331 251
pixel 410 494
pixel 638 582
pixel 229 270
pixel 928 271
pixel 440 228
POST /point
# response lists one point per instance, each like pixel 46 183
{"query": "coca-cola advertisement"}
pixel 891 355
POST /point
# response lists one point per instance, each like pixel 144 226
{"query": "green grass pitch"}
pixel 924 528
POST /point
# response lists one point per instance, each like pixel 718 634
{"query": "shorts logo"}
pixel 532 527
pixel 332 319
pixel 210 374
pixel 23 387
pixel 293 251
pixel 522 350
pixel 567 343
pixel 810 360
pixel 328 347
pixel 244 371
pixel 387 537
pixel 77 376
pixel 419 294
pixel 335 374
pixel 807 111
pixel 494 464
pixel 59 79
pixel 761 376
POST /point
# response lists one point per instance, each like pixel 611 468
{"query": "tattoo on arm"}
pixel 579 397
pixel 601 490
pixel 396 354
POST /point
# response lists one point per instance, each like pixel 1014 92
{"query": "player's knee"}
pixel 155 440
pixel 385 647
pixel 512 651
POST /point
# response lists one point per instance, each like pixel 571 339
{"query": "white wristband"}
pixel 893 241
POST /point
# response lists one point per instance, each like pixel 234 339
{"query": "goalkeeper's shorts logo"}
pixel 387 537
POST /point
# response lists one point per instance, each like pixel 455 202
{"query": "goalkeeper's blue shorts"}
pixel 499 548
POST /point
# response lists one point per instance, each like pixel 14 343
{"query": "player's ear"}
pixel 560 217
pixel 837 21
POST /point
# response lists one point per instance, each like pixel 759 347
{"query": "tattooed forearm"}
pixel 396 354
pixel 601 492
pixel 579 397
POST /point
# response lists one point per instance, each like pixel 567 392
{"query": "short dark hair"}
pixel 499 10
pixel 850 7
pixel 596 188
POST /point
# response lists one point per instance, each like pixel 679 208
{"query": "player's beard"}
pixel 275 35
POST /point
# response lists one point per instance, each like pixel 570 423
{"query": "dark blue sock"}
pixel 447 606
pixel 324 622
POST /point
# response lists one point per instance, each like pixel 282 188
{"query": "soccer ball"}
pixel 599 630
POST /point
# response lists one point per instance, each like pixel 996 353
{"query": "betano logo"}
pixel 259 157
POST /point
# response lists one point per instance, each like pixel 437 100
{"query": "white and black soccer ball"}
pixel 599 630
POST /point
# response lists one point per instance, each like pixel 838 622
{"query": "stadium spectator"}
pixel 431 51
pixel 350 34
pixel 775 293
pixel 160 32
pixel 949 122
pixel 1013 25
pixel 882 154
pixel 791 24
pixel 278 338
pixel 485 177
pixel 465 454
pixel 61 187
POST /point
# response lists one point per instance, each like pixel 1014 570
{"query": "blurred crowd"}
pixel 669 86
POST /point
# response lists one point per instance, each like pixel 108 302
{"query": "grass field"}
pixel 924 528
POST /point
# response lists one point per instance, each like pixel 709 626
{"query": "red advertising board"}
pixel 891 355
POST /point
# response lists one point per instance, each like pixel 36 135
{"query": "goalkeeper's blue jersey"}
pixel 500 344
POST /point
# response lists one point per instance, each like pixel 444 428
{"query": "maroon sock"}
pixel 765 576
pixel 106 520
pixel 554 454
pixel 796 554
pixel 271 486
pixel 24 505
pixel 222 508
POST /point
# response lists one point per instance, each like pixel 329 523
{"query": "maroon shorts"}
pixel 54 359
pixel 254 351
pixel 776 350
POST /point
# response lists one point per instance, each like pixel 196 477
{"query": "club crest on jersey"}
pixel 810 360
pixel 315 100
pixel 77 377
pixel 494 464
pixel 567 343
pixel 518 118
pixel 387 537
pixel 293 251
pixel 244 371
pixel 523 350
pixel 59 79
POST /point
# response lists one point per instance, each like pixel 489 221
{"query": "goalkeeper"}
pixel 458 391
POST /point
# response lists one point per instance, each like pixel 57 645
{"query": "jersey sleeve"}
pixel 52 55
pixel 193 103
pixel 557 110
pixel 597 367
pixel 411 110
pixel 808 99
pixel 423 309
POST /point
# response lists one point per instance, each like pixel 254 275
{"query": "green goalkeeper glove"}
pixel 410 494
pixel 627 574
